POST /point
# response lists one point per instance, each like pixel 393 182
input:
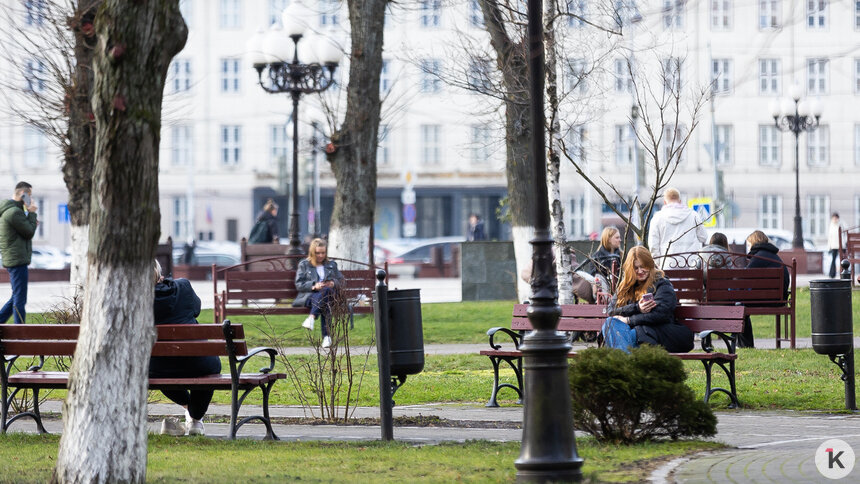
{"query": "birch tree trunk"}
pixel 104 415
pixel 355 142
pixel 512 63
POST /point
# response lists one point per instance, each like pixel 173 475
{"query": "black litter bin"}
pixel 406 334
pixel 832 325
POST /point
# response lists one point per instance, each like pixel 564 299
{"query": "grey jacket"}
pixel 306 277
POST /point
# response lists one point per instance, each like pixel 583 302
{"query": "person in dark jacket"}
pixel 715 254
pixel 653 317
pixel 606 260
pixel 17 226
pixel 177 303
pixel 317 282
pixel 762 254
pixel 265 230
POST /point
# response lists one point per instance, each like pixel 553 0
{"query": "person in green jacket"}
pixel 17 226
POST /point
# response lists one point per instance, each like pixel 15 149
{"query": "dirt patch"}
pixel 414 421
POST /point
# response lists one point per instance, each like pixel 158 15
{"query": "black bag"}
pixel 259 233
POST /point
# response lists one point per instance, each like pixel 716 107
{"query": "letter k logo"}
pixel 834 459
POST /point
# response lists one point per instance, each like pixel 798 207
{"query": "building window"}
pixel 35 148
pixel 180 71
pixel 723 139
pixel 385 77
pixel 857 14
pixel 578 216
pixel 857 144
pixel 181 145
pixel 430 143
pixel 816 70
pixel 673 14
pixel 575 76
pixel 383 153
pixel 857 73
pixel 816 14
pixel 818 215
pixel 768 14
pixel 576 144
pixel 623 78
pixel 430 12
pixel 817 142
pixel 187 11
pixel 768 76
pixel 476 16
pixel 626 12
pixel 768 145
pixel 576 13
pixel 673 143
pixel 34 76
pixel 770 211
pixel 35 12
pixel 280 144
pixel 231 145
pixel 430 82
pixel 329 13
pixel 482 140
pixel 625 141
pixel 276 7
pixel 721 76
pixel 180 218
pixel 231 14
pixel 721 14
pixel 230 75
pixel 478 75
pixel 672 72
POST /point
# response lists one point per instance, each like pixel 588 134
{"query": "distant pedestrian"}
pixel 265 230
pixel 675 229
pixel 833 242
pixel 17 226
pixel 476 228
pixel 762 254
pixel 715 254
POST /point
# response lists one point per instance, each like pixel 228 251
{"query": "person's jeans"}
pixel 18 276
pixel 834 258
pixel 320 304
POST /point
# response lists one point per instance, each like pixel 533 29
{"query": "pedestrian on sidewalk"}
pixel 17 226
pixel 177 303
pixel 833 232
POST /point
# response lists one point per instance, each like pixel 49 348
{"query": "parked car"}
pixel 418 261
pixel 383 249
pixel 47 257
pixel 780 238
pixel 207 253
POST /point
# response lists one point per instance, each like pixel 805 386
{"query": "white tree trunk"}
pixel 349 243
pixel 78 268
pixel 562 257
pixel 106 401
pixel 522 235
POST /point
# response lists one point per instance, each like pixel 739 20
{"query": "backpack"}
pixel 259 233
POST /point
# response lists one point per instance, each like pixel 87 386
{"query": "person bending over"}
pixel 176 303
pixel 317 281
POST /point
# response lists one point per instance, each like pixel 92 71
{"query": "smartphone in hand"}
pixel 26 199
pixel 647 297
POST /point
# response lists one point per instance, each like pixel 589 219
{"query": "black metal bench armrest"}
pixel 515 337
pixel 729 339
pixel 256 351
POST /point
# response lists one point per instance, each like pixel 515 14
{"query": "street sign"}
pixel 63 213
pixel 409 213
pixel 410 230
pixel 704 207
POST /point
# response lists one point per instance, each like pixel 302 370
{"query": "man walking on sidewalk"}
pixel 17 227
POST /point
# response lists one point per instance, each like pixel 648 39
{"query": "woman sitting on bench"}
pixel 645 306
pixel 317 281
pixel 176 303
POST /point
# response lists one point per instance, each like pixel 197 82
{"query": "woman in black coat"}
pixel 762 254
pixel 653 317
pixel 176 303
pixel 606 260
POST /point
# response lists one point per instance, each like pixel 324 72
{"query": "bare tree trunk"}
pixel 354 161
pixel 511 62
pixel 104 416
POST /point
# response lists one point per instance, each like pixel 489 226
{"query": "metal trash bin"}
pixel 830 312
pixel 406 333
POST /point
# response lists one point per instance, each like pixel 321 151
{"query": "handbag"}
pixel 618 334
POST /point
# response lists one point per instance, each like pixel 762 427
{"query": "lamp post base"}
pixel 797 240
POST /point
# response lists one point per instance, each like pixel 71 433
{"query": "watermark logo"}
pixel 834 459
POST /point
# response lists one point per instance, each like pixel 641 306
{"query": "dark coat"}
pixel 766 256
pixel 17 228
pixel 602 261
pixel 267 236
pixel 657 327
pixel 306 277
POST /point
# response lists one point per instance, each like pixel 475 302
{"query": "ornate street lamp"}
pixel 270 53
pixel 548 450
pixel 796 120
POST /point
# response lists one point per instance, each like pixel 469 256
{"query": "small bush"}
pixel 625 398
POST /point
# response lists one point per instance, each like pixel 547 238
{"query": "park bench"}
pixel 226 340
pixel 267 286
pixel 724 322
pixel 850 249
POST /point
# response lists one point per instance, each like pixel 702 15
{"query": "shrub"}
pixel 625 398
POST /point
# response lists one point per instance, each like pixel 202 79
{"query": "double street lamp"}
pixel 797 118
pixel 270 53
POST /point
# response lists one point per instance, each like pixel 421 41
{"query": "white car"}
pixel 47 257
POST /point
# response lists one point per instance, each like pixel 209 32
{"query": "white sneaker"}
pixel 326 342
pixel 196 428
pixel 171 426
pixel 309 322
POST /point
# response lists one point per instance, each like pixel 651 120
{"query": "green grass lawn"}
pixel 30 458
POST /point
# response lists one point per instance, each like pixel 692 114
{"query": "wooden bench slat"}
pixel 38 331
pixel 197 331
pixel 259 276
pixel 38 347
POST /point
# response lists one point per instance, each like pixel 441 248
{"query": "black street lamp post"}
pixel 548 450
pixel 796 120
pixel 268 53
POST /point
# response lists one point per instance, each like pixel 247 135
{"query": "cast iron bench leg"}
pixel 518 371
pixel 270 433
